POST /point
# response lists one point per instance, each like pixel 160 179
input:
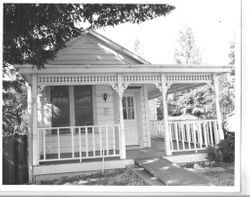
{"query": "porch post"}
pixel 122 132
pixel 34 121
pixel 165 88
pixel 29 144
pixel 217 104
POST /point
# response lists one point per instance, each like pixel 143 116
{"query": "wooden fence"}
pixel 15 165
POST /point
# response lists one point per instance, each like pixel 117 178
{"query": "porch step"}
pixel 170 173
pixel 147 178
pixel 187 158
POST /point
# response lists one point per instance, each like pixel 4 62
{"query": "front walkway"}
pixel 155 168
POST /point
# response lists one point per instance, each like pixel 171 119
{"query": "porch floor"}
pixel 157 149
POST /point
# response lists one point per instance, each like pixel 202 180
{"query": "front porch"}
pixel 93 143
pixel 58 168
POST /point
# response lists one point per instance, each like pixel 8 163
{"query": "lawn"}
pixel 219 174
pixel 109 177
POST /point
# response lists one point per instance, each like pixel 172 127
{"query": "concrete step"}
pixel 170 173
pixel 147 178
pixel 187 158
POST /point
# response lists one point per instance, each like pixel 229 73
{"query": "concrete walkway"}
pixel 170 173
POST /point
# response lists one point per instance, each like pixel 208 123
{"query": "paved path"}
pixel 170 173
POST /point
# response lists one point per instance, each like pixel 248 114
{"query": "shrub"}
pixel 224 151
pixel 214 154
pixel 227 147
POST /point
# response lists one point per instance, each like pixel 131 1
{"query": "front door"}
pixel 130 119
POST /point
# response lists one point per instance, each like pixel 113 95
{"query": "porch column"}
pixel 120 91
pixel 165 88
pixel 217 104
pixel 29 144
pixel 35 137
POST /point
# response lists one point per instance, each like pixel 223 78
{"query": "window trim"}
pixel 134 107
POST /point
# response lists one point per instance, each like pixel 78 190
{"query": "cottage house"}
pixel 91 102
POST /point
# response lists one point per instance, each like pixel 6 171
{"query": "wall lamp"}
pixel 105 97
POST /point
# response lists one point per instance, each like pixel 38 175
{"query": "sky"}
pixel 214 23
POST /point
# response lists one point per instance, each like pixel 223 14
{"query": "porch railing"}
pixel 79 142
pixel 188 135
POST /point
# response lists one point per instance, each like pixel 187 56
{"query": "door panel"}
pixel 130 119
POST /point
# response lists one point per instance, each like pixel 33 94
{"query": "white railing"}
pixel 79 142
pixel 188 135
pixel 157 128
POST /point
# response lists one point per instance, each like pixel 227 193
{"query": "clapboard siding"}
pixel 88 49
pixel 101 105
pixel 88 57
pixel 88 62
pixel 152 109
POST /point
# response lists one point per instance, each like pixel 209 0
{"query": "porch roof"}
pixel 92 53
pixel 119 68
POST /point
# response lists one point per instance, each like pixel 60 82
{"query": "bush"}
pixel 224 151
pixel 227 147
pixel 214 154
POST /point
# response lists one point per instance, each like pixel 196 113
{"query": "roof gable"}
pixel 93 49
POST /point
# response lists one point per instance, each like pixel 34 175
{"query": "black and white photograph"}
pixel 124 97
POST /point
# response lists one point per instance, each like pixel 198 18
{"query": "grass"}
pixel 219 174
pixel 110 177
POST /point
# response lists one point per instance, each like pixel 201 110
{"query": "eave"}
pixel 139 68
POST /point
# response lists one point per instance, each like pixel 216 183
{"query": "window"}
pixel 60 106
pixel 83 105
pixel 83 108
pixel 128 108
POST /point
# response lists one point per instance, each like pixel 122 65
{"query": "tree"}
pixel 227 85
pixel 34 32
pixel 186 51
pixel 137 47
pixel 198 101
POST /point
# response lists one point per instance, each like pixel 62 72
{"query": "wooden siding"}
pixel 89 50
pixel 152 109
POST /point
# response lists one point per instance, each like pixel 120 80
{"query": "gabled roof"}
pixel 91 48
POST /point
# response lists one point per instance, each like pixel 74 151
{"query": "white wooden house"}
pixel 91 102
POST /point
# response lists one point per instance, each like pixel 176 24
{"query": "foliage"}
pixel 214 154
pixel 197 101
pixel 227 147
pixel 225 150
pixel 186 51
pixel 227 86
pixel 34 32
pixel 14 97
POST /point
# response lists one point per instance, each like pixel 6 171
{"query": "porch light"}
pixel 105 96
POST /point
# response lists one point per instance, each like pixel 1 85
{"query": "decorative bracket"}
pixel 41 88
pixel 159 86
pixel 119 88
